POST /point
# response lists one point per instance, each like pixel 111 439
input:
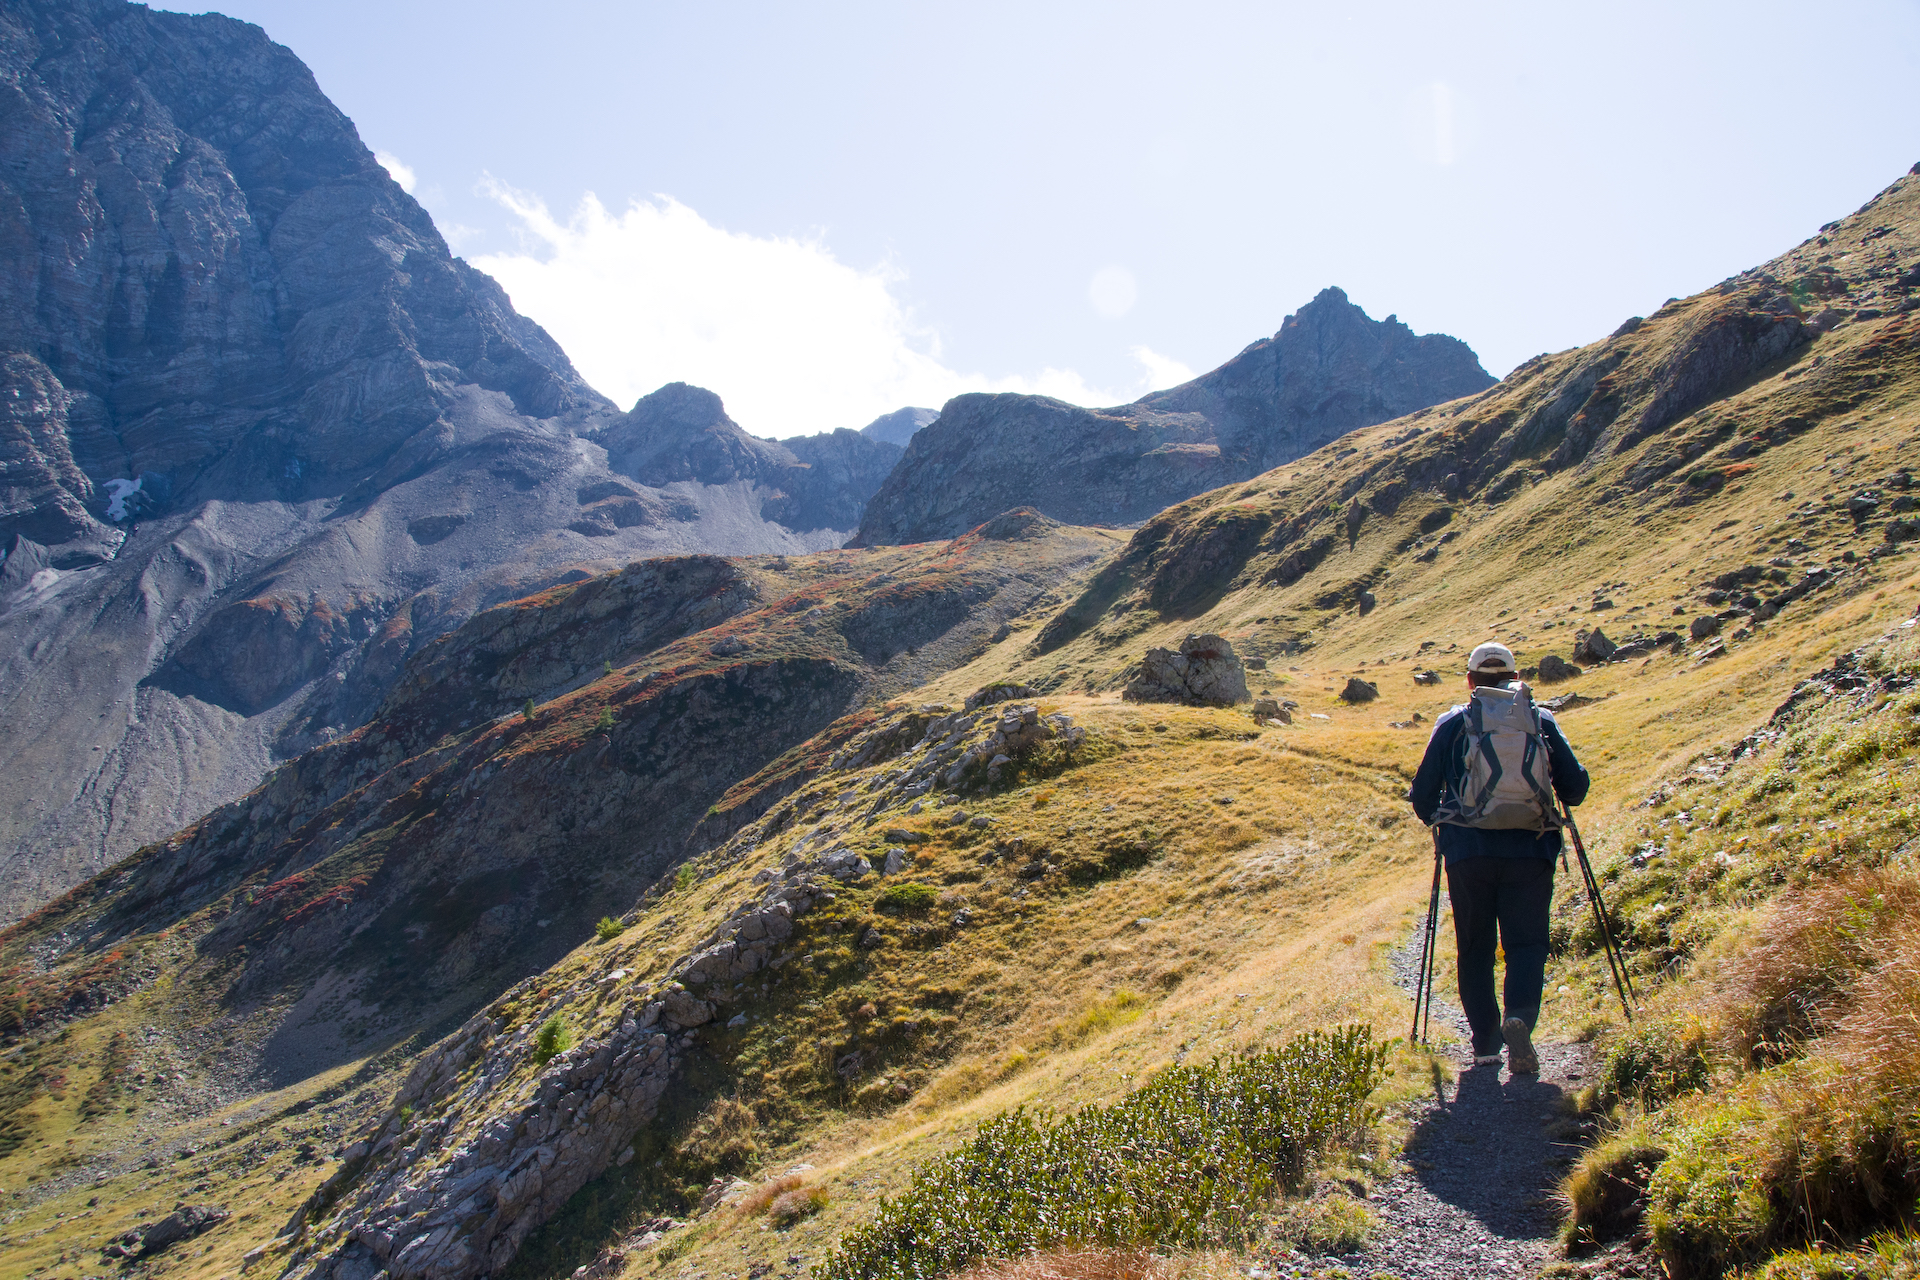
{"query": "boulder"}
pixel 1359 690
pixel 1426 677
pixel 1204 672
pixel 1703 626
pixel 1593 647
pixel 684 1008
pixel 1554 668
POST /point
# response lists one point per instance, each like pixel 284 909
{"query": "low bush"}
pixel 552 1038
pixel 791 1206
pixel 908 897
pixel 1187 1160
pixel 1656 1061
pixel 608 929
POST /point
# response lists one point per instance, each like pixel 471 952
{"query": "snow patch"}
pixel 117 499
pixel 43 579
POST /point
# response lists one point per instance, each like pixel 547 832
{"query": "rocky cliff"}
pixel 262 435
pixel 1328 370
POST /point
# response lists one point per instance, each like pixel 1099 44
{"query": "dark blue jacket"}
pixel 1442 771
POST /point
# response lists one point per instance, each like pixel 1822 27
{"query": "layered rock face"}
pixel 262 436
pixel 1327 371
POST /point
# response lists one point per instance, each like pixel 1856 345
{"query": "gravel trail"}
pixel 1474 1193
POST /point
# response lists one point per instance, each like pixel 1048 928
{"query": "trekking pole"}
pixel 1616 958
pixel 1423 985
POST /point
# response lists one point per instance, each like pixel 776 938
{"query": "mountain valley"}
pixel 457 828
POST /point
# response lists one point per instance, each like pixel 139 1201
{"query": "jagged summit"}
pixel 1329 370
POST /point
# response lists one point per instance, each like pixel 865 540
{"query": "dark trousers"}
pixel 1504 903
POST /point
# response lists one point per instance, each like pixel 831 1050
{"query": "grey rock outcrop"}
pixel 184 1223
pixel 1203 672
pixel 1328 370
pixel 1357 691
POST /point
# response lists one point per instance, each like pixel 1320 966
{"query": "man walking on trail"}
pixel 1487 787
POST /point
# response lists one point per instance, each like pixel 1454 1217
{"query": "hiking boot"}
pixel 1521 1059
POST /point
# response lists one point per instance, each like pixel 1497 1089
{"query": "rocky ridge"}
pixel 483 1143
pixel 1329 369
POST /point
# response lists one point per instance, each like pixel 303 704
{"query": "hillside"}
pixel 1718 487
pixel 1328 370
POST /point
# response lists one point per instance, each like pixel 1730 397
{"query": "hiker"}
pixel 1486 787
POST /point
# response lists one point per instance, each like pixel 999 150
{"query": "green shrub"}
pixel 526 709
pixel 553 1037
pixel 605 723
pixel 608 929
pixel 908 897
pixel 1190 1159
pixel 684 878
pixel 1656 1062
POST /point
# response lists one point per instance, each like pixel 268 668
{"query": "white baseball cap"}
pixel 1491 657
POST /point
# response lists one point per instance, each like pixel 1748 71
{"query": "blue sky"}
pixel 825 211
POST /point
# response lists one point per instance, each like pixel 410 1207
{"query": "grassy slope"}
pixel 1283 866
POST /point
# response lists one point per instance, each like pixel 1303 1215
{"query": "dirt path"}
pixel 1474 1193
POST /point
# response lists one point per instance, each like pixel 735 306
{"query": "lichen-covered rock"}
pixel 1204 672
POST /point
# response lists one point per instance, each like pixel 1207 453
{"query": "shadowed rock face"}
pixel 212 269
pixel 1327 371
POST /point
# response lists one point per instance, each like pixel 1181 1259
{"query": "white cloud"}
pixel 397 169
pixel 793 340
pixel 1161 371
pixel 1112 292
